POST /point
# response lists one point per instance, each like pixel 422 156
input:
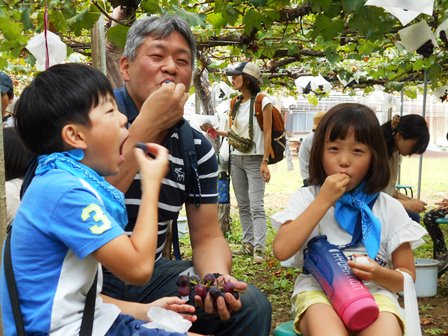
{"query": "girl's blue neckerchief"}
pixel 352 210
pixel 112 198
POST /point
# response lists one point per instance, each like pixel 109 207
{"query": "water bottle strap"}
pixel 413 327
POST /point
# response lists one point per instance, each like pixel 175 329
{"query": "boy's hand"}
pixel 153 163
pixel 177 305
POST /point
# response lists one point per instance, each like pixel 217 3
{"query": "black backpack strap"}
pixel 29 175
pixel 192 182
pixel 186 140
pixel 175 239
pixel 89 310
pixel 12 289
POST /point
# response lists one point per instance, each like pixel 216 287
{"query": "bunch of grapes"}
pixel 426 49
pixel 190 286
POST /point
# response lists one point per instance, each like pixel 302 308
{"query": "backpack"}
pixel 278 138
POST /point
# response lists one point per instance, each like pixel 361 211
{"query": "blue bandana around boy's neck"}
pixel 347 212
pixel 112 198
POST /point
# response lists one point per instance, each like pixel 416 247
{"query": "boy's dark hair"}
pixel 17 157
pixel 336 124
pixel 411 127
pixel 63 94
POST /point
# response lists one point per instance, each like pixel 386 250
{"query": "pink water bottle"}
pixel 350 298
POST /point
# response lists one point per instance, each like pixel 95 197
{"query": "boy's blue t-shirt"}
pixel 60 222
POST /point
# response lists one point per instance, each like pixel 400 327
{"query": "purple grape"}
pixel 183 280
pixel 443 36
pixel 183 291
pixel 200 290
pixel 426 49
pixel 194 279
pixel 229 287
pixel 209 279
pixel 215 292
pixel 307 88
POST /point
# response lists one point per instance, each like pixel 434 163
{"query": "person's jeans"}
pixel 254 318
pixel 415 216
pixel 248 186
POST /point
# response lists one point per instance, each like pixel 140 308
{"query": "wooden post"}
pixel 99 46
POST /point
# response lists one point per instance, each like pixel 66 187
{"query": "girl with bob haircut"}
pixel 348 170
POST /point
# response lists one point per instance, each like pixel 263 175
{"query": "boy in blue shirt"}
pixel 71 219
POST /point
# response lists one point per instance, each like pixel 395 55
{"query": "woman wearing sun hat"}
pixel 249 157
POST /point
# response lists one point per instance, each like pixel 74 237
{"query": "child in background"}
pixel 17 159
pixel 71 219
pixel 405 136
pixel 348 166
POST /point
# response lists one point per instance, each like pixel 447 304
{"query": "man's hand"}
pixel 161 110
pixel 225 304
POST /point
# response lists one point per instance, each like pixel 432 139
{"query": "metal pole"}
pixel 402 102
pixel 420 164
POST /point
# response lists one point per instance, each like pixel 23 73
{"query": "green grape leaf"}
pixel 117 35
